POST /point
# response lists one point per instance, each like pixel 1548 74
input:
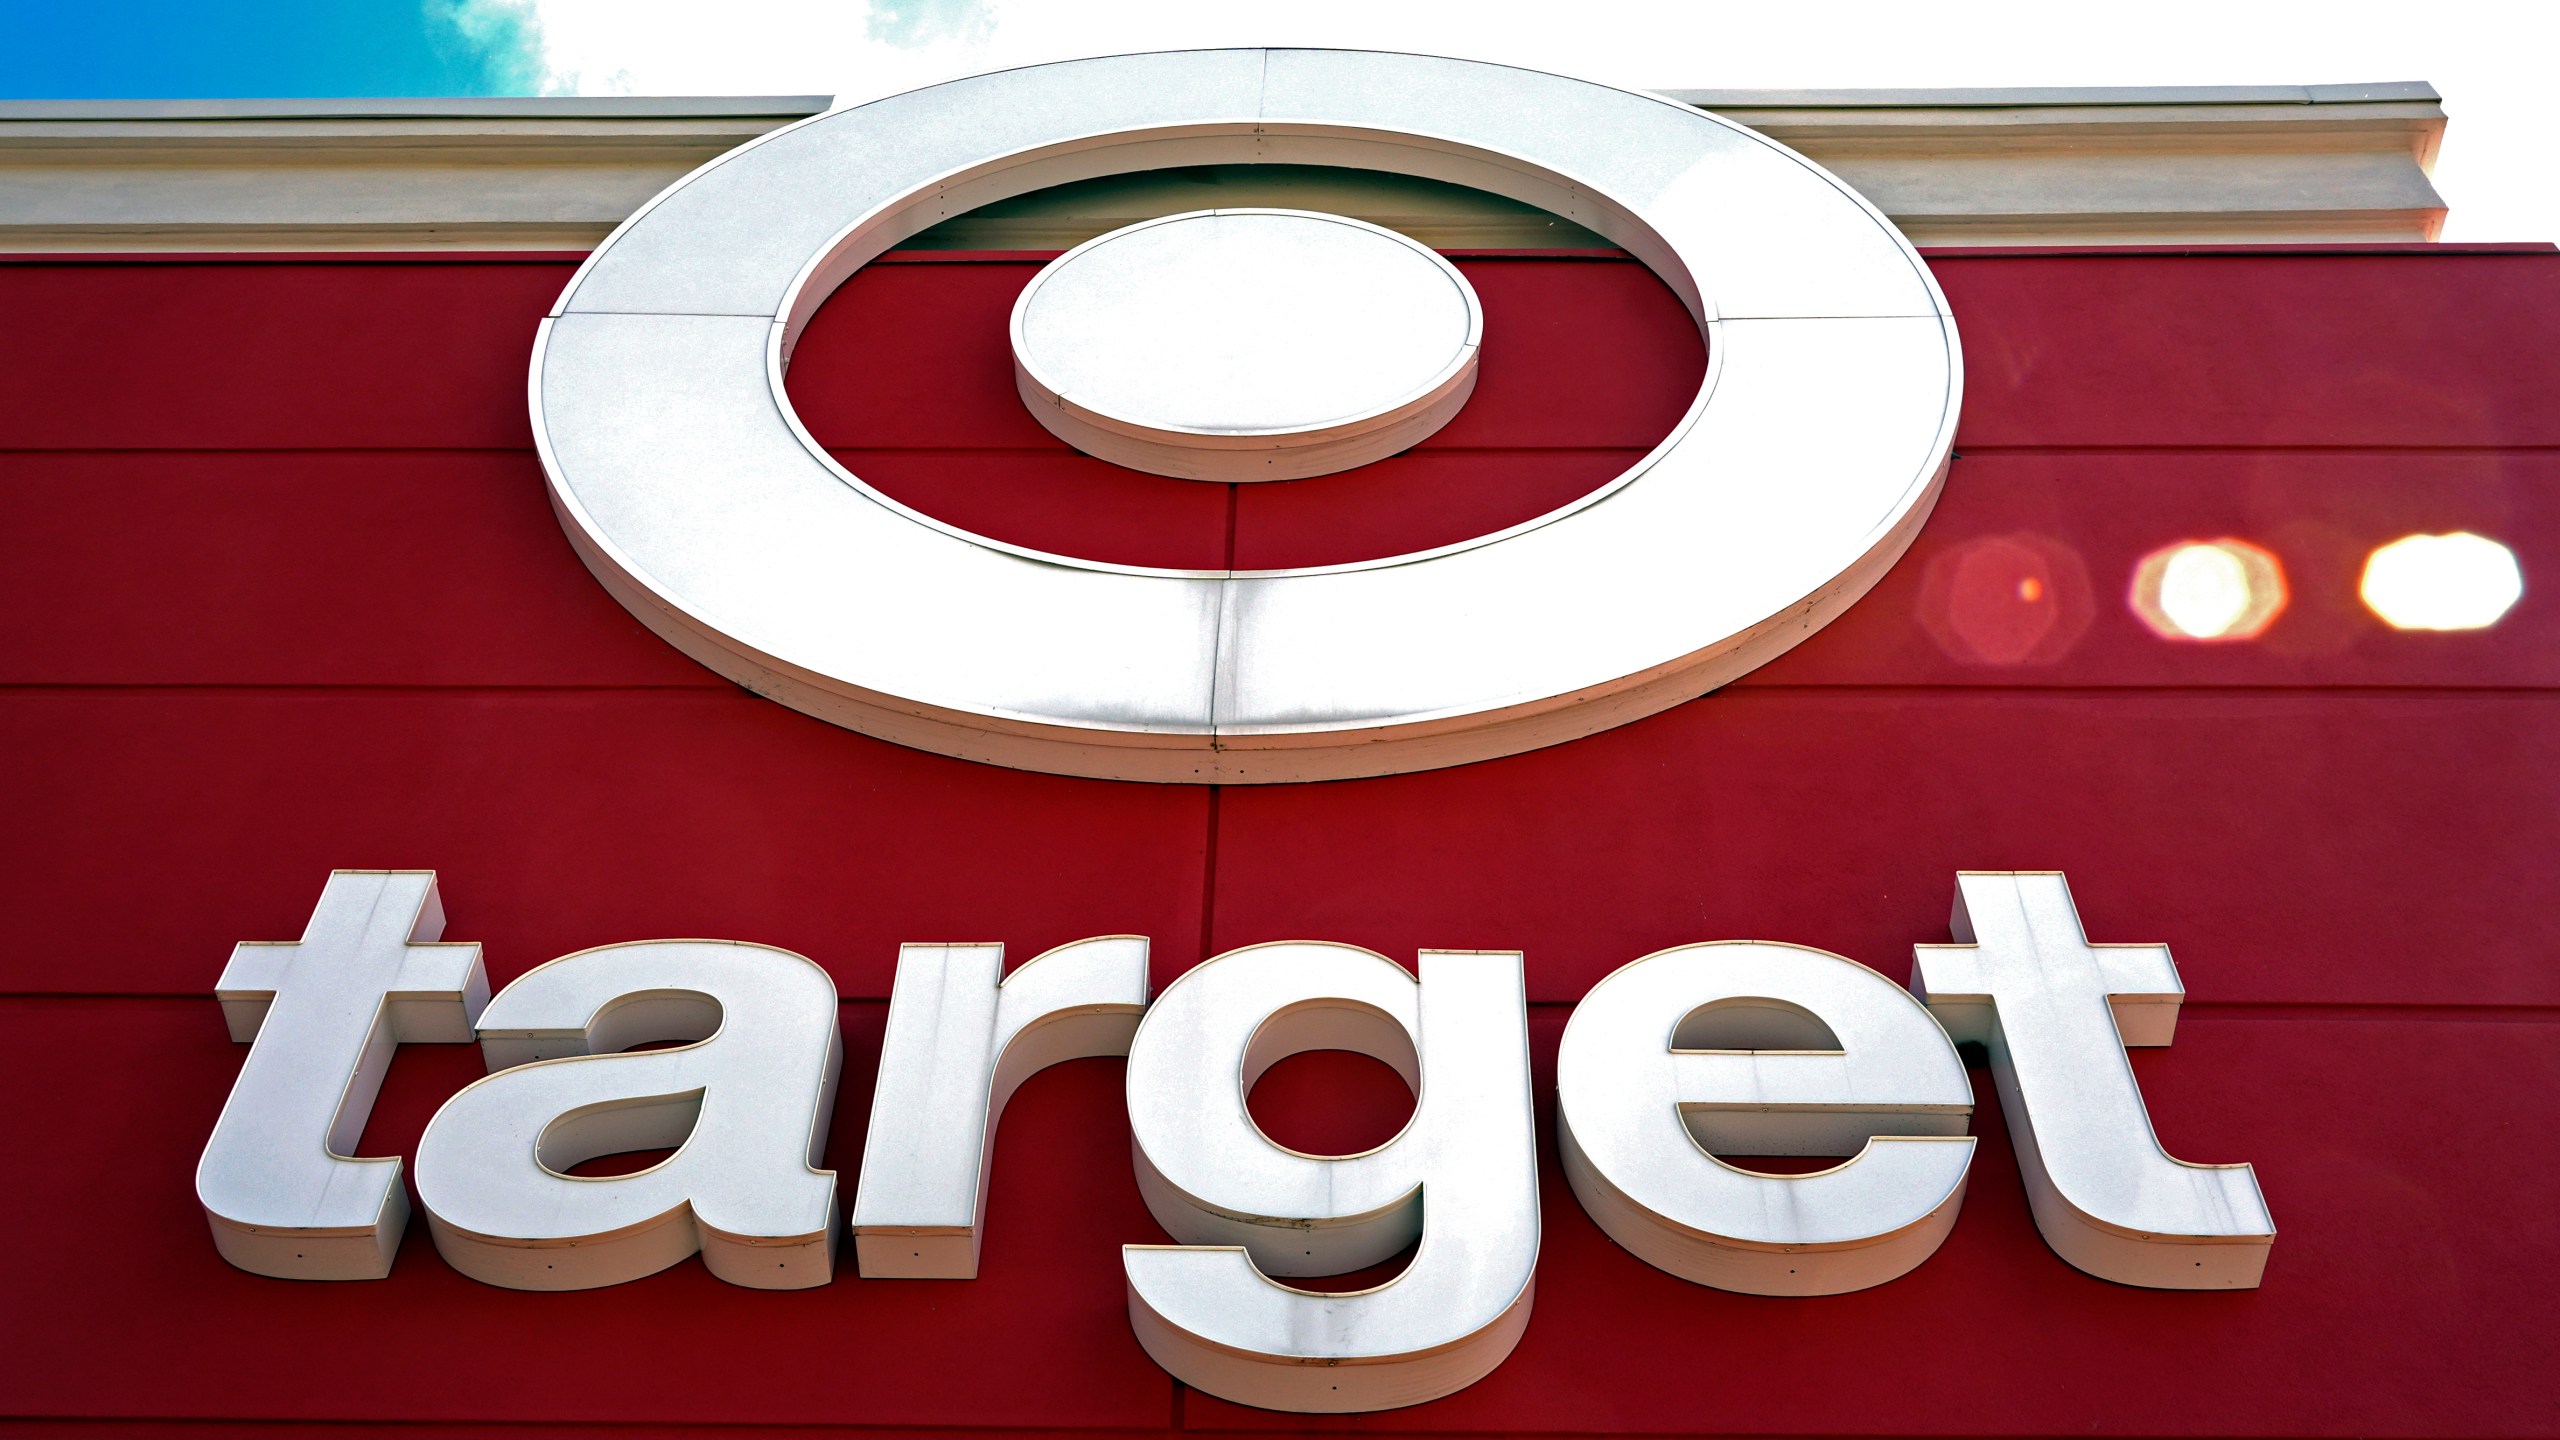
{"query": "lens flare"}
pixel 2459 581
pixel 2021 599
pixel 2208 590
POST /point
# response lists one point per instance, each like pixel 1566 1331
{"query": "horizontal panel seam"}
pixel 525 452
pixel 710 685
pixel 1964 449
pixel 1737 690
pixel 2376 1010
pixel 2087 691
pixel 1629 448
pixel 708 1429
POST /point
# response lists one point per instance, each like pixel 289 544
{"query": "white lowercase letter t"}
pixel 279 1180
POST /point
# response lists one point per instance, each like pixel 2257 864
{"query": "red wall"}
pixel 285 595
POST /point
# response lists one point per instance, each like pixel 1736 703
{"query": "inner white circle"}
pixel 1246 344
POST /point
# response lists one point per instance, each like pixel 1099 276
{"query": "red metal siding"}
pixel 285 595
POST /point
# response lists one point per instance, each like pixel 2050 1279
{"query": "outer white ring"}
pixel 1811 456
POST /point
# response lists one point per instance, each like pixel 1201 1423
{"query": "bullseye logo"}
pixel 1247 346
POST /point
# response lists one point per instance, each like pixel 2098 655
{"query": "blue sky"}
pixel 219 49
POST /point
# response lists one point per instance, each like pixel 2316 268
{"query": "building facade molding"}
pixel 2100 166
pixel 2123 166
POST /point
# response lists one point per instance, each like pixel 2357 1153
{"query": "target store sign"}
pixel 1231 347
pixel 1738 1048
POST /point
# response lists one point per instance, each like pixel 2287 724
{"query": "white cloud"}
pixel 2491 61
pixel 912 23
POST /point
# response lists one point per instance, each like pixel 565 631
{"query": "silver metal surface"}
pixel 2056 1013
pixel 785 579
pixel 1813 452
pixel 1246 345
pixel 1462 1177
pixel 1754 1048
pixel 280 1181
pixel 962 1035
pixel 744 1103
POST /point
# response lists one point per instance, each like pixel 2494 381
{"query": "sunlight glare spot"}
pixel 2459 581
pixel 2208 590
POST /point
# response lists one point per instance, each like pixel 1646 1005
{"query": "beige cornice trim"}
pixel 2178 165
pixel 2055 96
pixel 542 107
pixel 2111 166
pixel 545 174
